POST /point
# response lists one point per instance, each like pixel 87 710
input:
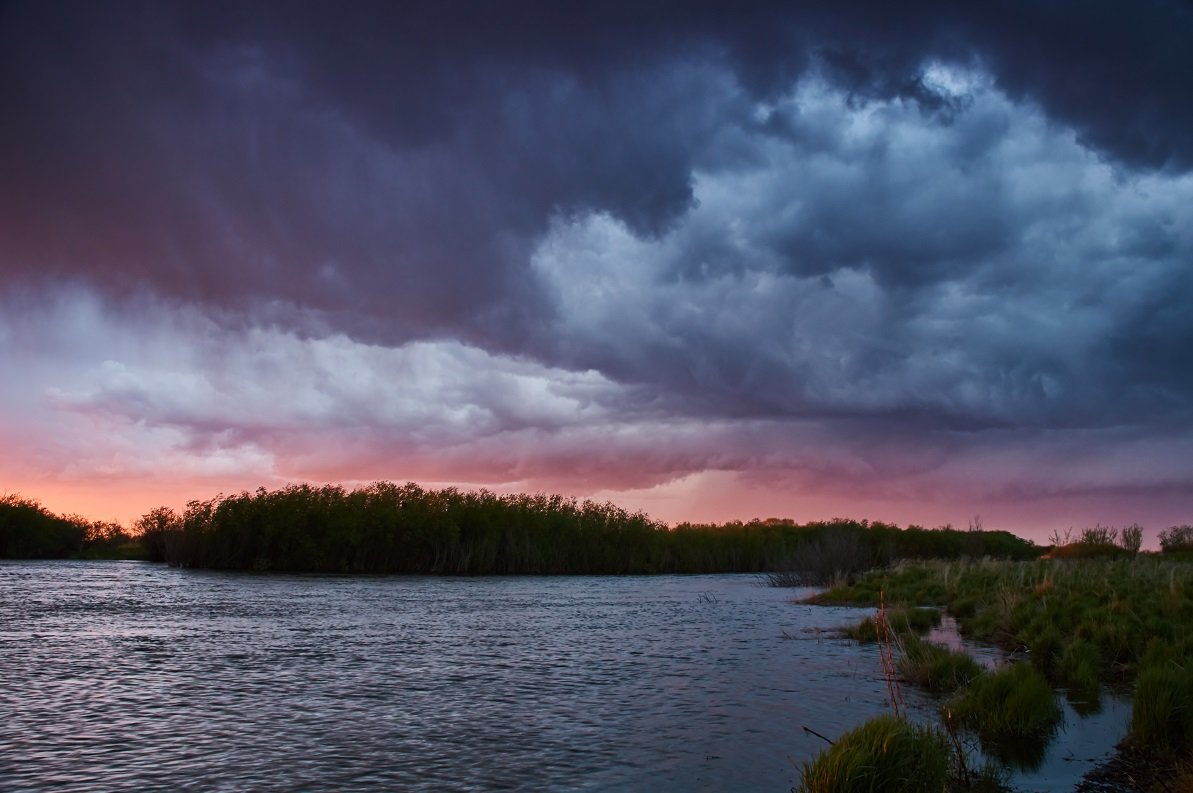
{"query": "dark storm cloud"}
pixel 573 183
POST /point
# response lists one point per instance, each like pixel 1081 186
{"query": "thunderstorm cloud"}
pixel 917 260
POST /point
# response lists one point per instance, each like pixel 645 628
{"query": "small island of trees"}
pixel 390 528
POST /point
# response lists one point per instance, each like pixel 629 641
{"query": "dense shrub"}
pixel 390 528
pixel 29 531
pixel 1176 538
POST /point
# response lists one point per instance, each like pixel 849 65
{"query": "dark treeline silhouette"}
pixel 30 531
pixel 389 528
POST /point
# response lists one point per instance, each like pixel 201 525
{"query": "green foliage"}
pixel 1082 622
pixel 390 528
pixel 1012 710
pixel 1162 712
pixel 884 755
pixel 385 527
pixel 29 531
pixel 1080 667
pixel 903 620
pixel 154 529
pixel 1100 613
pixel 933 667
pixel 840 549
pixel 906 582
pixel 1131 538
pixel 1176 538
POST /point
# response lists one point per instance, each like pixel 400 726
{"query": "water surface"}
pixel 131 676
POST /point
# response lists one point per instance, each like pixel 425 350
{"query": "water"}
pixel 131 676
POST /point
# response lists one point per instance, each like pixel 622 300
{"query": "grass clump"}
pixel 1162 712
pixel 935 668
pixel 1009 705
pixel 904 621
pixel 883 755
pixel 1080 666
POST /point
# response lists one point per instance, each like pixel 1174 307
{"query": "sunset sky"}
pixel 912 262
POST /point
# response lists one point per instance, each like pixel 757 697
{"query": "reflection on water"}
pixel 130 676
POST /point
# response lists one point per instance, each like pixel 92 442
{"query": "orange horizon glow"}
pixel 706 497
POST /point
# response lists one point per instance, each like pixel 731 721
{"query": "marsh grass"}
pixel 1012 710
pixel 1080 667
pixel 1085 624
pixel 933 667
pixel 883 755
pixel 1162 713
pixel 906 620
pixel 1076 620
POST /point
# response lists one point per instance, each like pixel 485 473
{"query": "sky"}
pixel 913 262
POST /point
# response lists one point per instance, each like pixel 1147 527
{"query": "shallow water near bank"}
pixel 1086 736
pixel 131 676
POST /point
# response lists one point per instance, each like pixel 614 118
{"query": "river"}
pixel 133 676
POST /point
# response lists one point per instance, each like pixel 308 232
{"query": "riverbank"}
pixel 1078 625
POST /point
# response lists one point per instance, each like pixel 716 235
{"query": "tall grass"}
pixel 1082 622
pixel 900 620
pixel 1162 713
pixel 933 667
pixel 883 755
pixel 1010 709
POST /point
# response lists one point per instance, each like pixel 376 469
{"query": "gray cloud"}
pixel 855 226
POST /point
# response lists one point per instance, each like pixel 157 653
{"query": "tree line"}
pixel 30 531
pixel 390 528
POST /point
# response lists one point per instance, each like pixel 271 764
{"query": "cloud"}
pixel 872 263
pixel 855 248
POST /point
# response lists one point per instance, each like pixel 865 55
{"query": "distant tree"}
pixel 153 529
pixel 1131 538
pixel 30 531
pixel 1058 540
pixel 1099 535
pixel 1176 538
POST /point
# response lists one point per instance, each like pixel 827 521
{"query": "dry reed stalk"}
pixel 883 634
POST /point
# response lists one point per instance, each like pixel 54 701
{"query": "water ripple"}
pixel 130 676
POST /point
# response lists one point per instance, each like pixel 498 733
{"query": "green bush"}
pixel 30 531
pixel 1176 538
pixel 884 755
